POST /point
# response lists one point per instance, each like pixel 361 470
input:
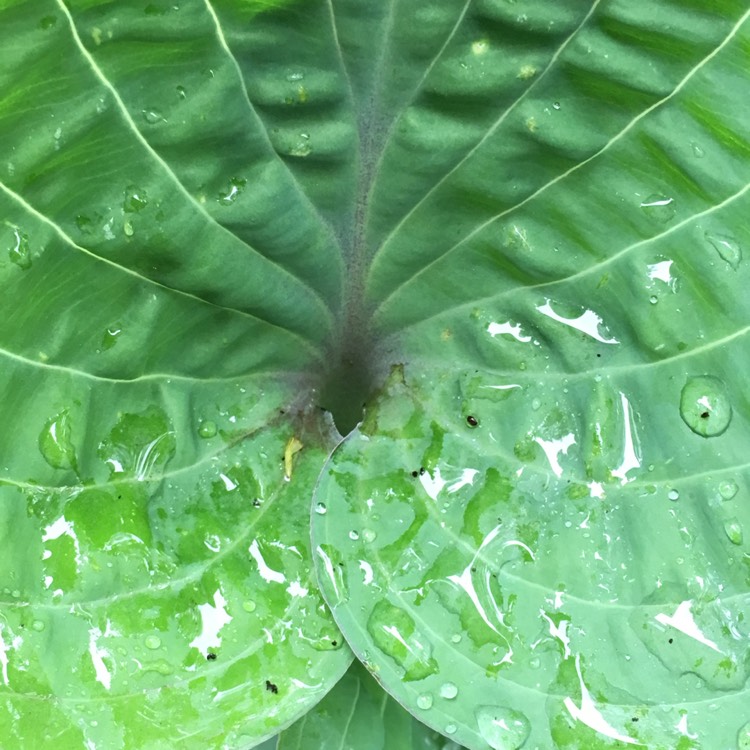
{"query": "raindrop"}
pixel 152 116
pixel 109 339
pixel 448 691
pixel 450 729
pixel 320 509
pixel 369 536
pixel 727 247
pixel 302 147
pixel 698 152
pixel 295 77
pixel 127 227
pixel 424 701
pixel 19 252
pixel 153 642
pixel 207 429
pixel 456 638
pixel 535 404
pixel 229 194
pixel 659 207
pixel 556 105
pixel 502 728
pixel 673 495
pixel 653 299
pixel 181 92
pixel 55 442
pixel 728 489
pixel 705 406
pixel 733 530
pixel 135 200
pixel 249 606
pixel 354 535
pixel 38 625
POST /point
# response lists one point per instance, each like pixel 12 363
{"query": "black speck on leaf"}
pixel 472 421
pixel 704 415
pixel 415 473
pixel 271 687
pixel 210 656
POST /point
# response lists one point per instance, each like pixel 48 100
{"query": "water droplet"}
pixel 653 299
pixel 249 606
pixel 369 535
pixel 354 535
pixel 181 92
pixel 733 530
pixel 502 728
pixel 450 728
pixel 673 495
pixel 38 625
pixel 659 207
pixel 698 152
pixel 727 247
pixel 295 77
pixel 556 105
pixel 207 429
pixel 20 252
pixel 152 642
pixel 456 638
pixel 705 406
pixel 302 147
pixel 135 200
pixel 743 737
pixel 127 228
pixel 320 509
pixel 424 701
pixel 55 442
pixel 448 691
pixel 47 22
pixel 229 194
pixel 152 116
pixel 109 339
pixel 728 489
pixel 535 404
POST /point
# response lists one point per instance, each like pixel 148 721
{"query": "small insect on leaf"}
pixel 293 447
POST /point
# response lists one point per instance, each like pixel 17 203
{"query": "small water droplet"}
pixel 502 728
pixel 743 737
pixel 207 429
pixel 229 194
pixel 320 509
pixel 109 339
pixel 135 200
pixel 152 116
pixel 733 530
pixel 456 638
pixel 556 105
pixel 448 691
pixel 698 152
pixel 728 489
pixel 302 147
pixel 20 252
pixel 181 92
pixel 673 495
pixel 55 442
pixel 249 606
pixel 659 207
pixel 127 228
pixel 727 247
pixel 38 625
pixel 535 404
pixel 704 406
pixel 450 728
pixel 295 77
pixel 354 535
pixel 153 642
pixel 653 299
pixel 424 701
pixel 535 662
pixel 47 22
pixel 369 535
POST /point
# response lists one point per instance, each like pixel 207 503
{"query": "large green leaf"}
pixel 218 215
pixel 358 715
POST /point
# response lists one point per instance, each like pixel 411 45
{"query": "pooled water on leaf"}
pixel 743 737
pixel 153 116
pixel 502 728
pixel 704 405
pixel 55 442
pixel 659 207
pixel 229 194
pixel 135 199
pixel 109 339
pixel 20 252
pixel 727 247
